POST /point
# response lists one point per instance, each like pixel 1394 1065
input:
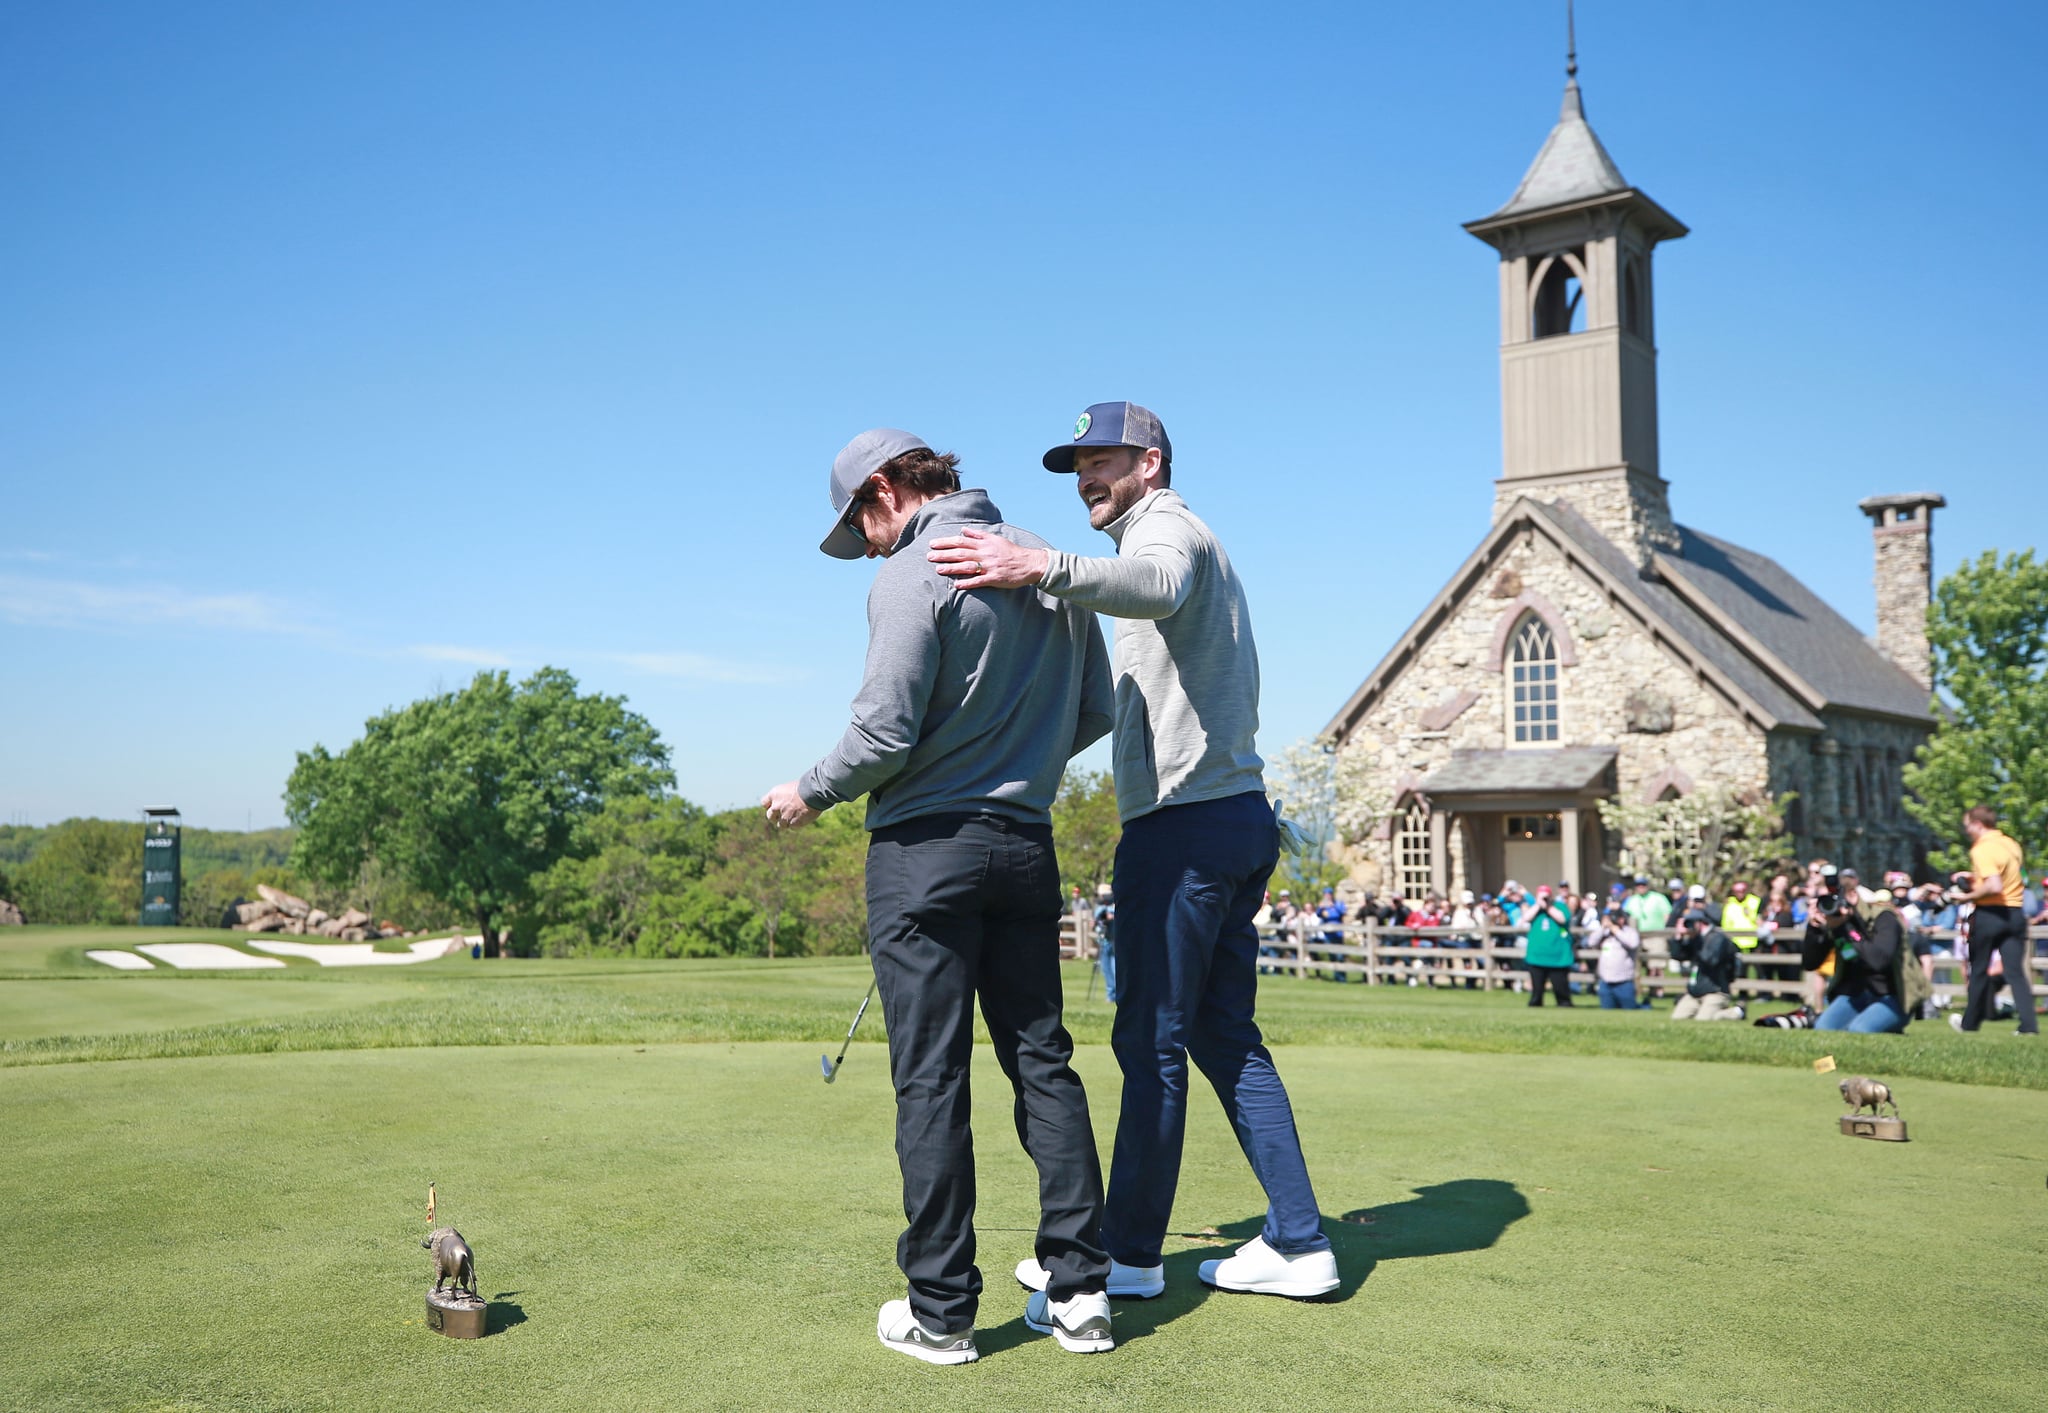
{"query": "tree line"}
pixel 541 817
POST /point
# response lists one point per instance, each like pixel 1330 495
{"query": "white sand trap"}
pixel 123 961
pixel 203 956
pixel 362 954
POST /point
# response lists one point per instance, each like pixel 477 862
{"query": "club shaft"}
pixel 855 1026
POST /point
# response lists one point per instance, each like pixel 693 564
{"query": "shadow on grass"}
pixel 1442 1219
pixel 503 1314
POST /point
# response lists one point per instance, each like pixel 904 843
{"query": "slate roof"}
pixel 1700 634
pixel 1799 628
pixel 1564 770
pixel 1802 655
pixel 1570 166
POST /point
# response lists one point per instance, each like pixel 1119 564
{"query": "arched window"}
pixel 1559 305
pixel 1532 684
pixel 1412 874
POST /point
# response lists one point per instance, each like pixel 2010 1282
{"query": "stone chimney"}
pixel 1903 528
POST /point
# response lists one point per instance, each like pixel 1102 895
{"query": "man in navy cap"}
pixel 1199 844
pixel 969 710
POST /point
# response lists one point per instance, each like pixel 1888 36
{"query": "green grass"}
pixel 708 1226
pixel 213 1185
pixel 461 1002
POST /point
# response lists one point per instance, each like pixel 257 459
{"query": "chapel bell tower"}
pixel 1578 348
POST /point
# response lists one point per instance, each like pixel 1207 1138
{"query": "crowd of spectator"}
pixel 1802 927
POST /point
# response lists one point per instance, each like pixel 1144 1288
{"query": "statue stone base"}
pixel 456 1313
pixel 1889 1130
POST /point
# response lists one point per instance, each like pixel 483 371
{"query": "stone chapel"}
pixel 1590 646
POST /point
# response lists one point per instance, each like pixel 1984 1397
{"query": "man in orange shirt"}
pixel 1998 926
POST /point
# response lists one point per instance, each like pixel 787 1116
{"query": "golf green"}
pixel 709 1226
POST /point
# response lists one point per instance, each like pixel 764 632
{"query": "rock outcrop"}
pixel 278 911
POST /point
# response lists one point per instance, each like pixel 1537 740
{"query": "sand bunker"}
pixel 207 956
pixel 362 954
pixel 123 961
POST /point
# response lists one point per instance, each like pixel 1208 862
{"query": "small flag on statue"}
pixel 430 1186
pixel 1824 1064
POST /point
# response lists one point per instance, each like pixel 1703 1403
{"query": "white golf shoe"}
pixel 1125 1282
pixel 901 1330
pixel 1258 1269
pixel 1080 1323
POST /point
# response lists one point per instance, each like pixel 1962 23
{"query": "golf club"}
pixel 831 1066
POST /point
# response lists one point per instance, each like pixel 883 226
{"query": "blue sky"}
pixel 354 348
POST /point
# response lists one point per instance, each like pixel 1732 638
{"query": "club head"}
pixel 825 1064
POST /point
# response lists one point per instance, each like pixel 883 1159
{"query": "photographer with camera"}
pixel 1873 988
pixel 1711 994
pixel 1615 973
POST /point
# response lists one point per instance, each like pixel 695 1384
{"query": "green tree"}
pixel 470 796
pixel 836 911
pixel 203 899
pixel 773 870
pixel 639 888
pixel 1085 829
pixel 84 871
pixel 1988 627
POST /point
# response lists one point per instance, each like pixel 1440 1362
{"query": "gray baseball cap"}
pixel 858 460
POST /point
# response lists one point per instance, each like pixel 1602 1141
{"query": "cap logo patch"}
pixel 1081 425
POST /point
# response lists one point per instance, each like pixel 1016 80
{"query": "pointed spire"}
pixel 1572 170
pixel 1572 108
pixel 1572 165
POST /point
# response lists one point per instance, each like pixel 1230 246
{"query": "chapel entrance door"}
pixel 1532 849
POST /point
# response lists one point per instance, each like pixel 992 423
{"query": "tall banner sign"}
pixel 160 869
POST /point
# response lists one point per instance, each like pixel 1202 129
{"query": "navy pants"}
pixel 960 908
pixel 1189 880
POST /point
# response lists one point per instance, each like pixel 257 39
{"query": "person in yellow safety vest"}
pixel 1739 913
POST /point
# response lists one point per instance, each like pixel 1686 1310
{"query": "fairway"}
pixel 665 1224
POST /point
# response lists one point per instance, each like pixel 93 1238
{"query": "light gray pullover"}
pixel 1187 670
pixel 971 701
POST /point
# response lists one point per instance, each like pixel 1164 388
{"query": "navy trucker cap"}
pixel 857 460
pixel 1112 424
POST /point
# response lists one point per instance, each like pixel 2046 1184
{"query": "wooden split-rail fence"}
pixel 1490 958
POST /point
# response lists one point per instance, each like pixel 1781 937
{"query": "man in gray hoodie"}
pixel 1200 843
pixel 969 710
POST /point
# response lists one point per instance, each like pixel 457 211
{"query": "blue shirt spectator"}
pixel 1332 914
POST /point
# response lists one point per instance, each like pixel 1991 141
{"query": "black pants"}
pixel 1558 979
pixel 961 906
pixel 2002 931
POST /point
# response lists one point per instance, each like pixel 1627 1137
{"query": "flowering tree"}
pixel 1710 837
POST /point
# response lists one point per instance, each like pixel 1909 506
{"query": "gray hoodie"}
pixel 971 701
pixel 1187 670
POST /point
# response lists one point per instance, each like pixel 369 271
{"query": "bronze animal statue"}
pixel 452 1259
pixel 1868 1094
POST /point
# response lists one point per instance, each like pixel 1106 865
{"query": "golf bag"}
pixel 1801 1019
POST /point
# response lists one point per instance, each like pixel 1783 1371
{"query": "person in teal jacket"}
pixel 1549 951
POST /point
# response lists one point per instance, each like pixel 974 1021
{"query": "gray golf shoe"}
pixel 1080 1323
pixel 899 1328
